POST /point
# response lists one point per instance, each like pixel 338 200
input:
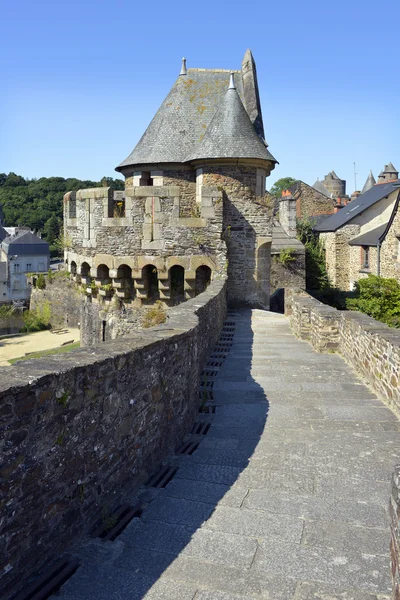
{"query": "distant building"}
pixel 21 253
pixel 363 236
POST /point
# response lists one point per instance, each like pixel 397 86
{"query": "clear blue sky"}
pixel 81 80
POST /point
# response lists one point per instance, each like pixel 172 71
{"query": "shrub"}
pixel 37 320
pixel 41 282
pixel 379 298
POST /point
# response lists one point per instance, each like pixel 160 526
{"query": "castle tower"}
pixel 389 173
pixel 208 135
pixel 370 182
pixel 334 185
pixel 193 208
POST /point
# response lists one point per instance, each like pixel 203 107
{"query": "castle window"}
pixel 365 257
pixel 199 184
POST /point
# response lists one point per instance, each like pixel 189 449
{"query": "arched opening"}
pixel 203 278
pixel 85 269
pixel 103 273
pixel 124 277
pixel 150 279
pixel 177 283
pixel 73 267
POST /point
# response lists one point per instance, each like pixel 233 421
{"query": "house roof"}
pixel 181 122
pixel 281 240
pixel 230 133
pixel 25 243
pixel 370 238
pixel 3 233
pixel 357 206
pixel 319 186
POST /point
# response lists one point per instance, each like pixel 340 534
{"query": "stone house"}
pixel 21 252
pixel 359 238
pixel 194 205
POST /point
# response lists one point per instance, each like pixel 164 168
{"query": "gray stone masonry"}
pixel 81 433
pixel 285 498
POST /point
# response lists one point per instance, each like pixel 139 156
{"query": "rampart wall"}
pixel 84 431
pixel 373 350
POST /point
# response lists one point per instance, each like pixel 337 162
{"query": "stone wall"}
pixel 290 275
pixel 81 435
pixel 394 511
pixel 337 255
pixel 390 255
pixel 310 202
pixel 63 297
pixel 372 348
pixel 247 232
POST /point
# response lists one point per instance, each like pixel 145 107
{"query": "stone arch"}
pixel 103 273
pixel 150 280
pixel 203 278
pixel 124 277
pixel 72 268
pixel 85 269
pixel 177 283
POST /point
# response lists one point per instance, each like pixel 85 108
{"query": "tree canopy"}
pixel 282 184
pixel 38 203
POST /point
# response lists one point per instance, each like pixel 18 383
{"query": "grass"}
pixel 42 353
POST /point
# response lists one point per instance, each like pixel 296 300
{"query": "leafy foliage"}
pixel 316 275
pixel 38 203
pixel 286 256
pixel 282 184
pixel 379 298
pixel 37 320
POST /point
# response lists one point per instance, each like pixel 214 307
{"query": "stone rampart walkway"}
pixel 285 498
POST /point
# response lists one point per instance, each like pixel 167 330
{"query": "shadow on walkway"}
pixel 190 525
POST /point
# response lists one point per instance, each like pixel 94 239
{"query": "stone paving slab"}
pixel 285 499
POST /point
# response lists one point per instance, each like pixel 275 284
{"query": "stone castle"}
pixel 194 204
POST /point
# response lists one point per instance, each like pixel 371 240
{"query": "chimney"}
pixel 287 213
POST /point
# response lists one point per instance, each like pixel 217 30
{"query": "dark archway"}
pixel 103 273
pixel 124 276
pixel 150 279
pixel 73 267
pixel 203 278
pixel 85 269
pixel 177 283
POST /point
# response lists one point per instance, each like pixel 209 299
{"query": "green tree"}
pixel 379 298
pixel 316 275
pixel 51 229
pixel 282 184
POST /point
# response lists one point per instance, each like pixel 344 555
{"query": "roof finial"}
pixel 232 82
pixel 183 68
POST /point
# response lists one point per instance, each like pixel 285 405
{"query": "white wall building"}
pixel 23 252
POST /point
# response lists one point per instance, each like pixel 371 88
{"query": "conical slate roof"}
pixel 319 186
pixel 390 168
pixel 369 183
pixel 230 133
